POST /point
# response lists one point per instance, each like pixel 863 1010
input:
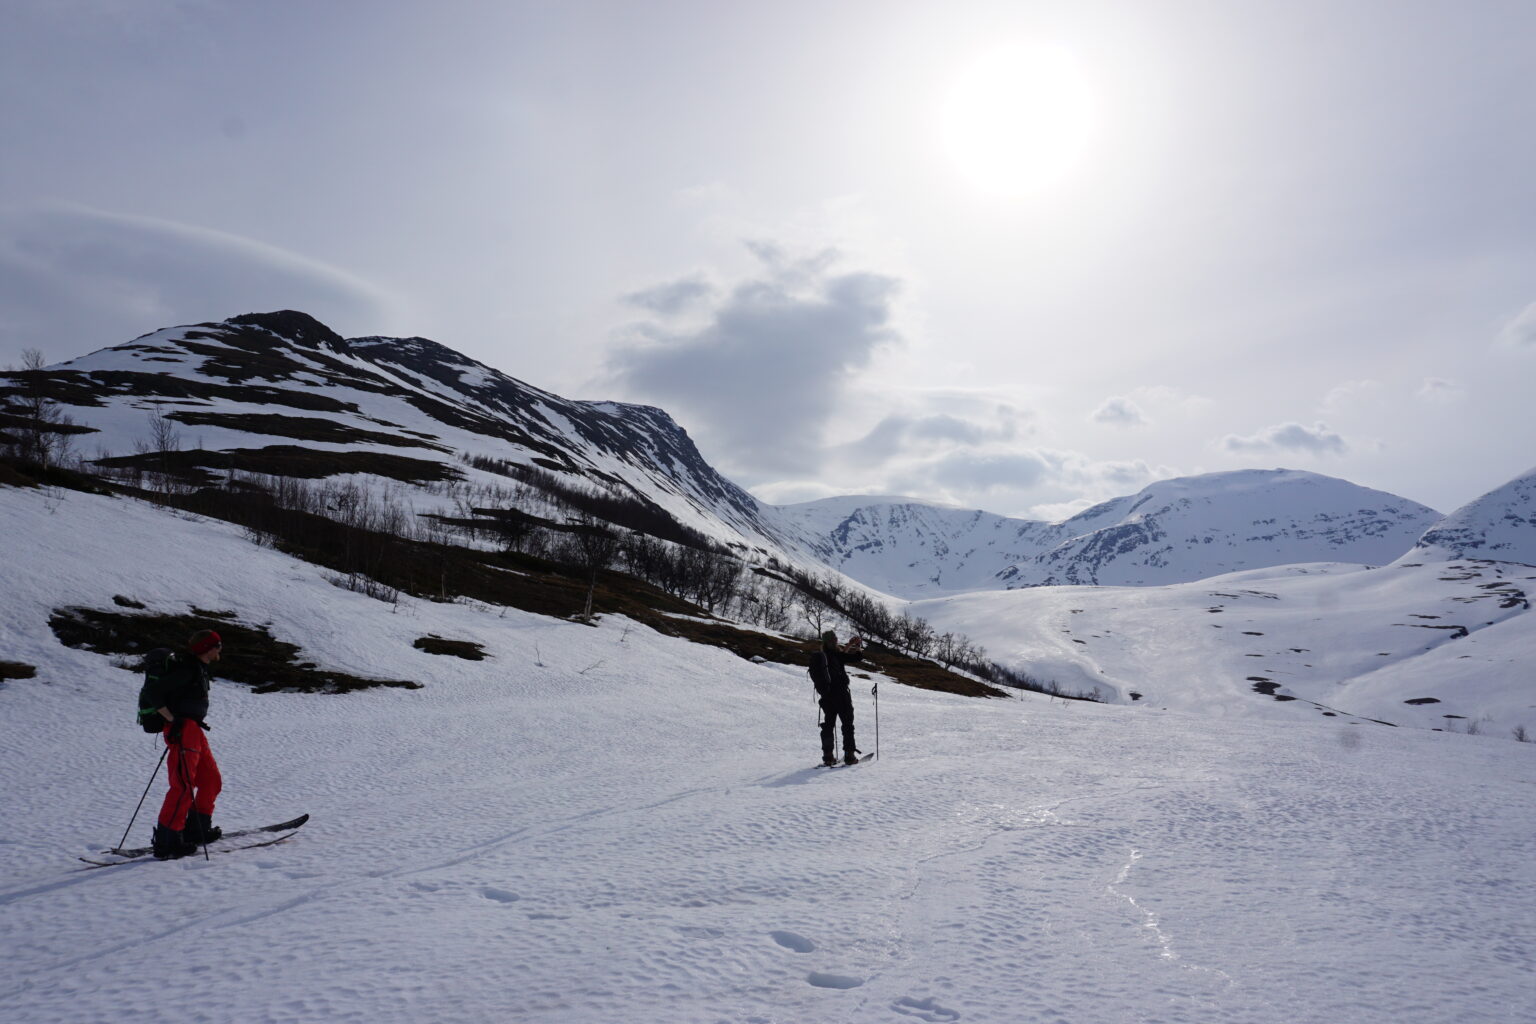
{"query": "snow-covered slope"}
pixel 1432 645
pixel 1173 531
pixel 1501 524
pixel 604 824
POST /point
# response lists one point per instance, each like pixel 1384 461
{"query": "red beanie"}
pixel 207 643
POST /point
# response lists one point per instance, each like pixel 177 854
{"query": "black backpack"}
pixel 820 677
pixel 155 663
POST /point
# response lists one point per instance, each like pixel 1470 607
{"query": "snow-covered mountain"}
pixel 910 548
pixel 1173 531
pixel 1499 525
pixel 1191 528
pixel 259 391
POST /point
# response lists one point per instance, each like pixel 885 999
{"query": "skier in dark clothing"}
pixel 831 678
pixel 179 693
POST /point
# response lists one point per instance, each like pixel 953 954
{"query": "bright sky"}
pixel 1016 256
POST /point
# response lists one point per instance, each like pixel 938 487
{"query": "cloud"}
pixel 1024 481
pixel 1352 395
pixel 906 433
pixel 1293 437
pixel 674 298
pixel 1439 391
pixel 74 279
pixel 1032 483
pixel 1521 331
pixel 1031 469
pixel 991 471
pixel 759 380
pixel 1121 412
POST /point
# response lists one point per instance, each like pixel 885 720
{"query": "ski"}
pixel 840 764
pixel 91 863
pixel 282 826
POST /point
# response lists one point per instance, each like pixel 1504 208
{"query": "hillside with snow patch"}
pixel 262 393
pixel 1435 645
pixel 1501 524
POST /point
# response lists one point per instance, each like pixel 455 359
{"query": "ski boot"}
pixel 851 757
pixel 201 829
pixel 168 844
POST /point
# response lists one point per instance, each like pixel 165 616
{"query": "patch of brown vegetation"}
pixel 85 388
pixel 303 428
pixel 11 476
pixel 286 460
pixel 466 649
pixel 20 473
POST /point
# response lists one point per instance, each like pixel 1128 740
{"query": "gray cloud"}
pixel 671 299
pixel 758 382
pixel 901 433
pixel 988 471
pixel 1037 472
pixel 1317 440
pixel 1121 412
pixel 73 280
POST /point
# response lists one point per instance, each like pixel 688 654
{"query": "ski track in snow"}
pixel 534 839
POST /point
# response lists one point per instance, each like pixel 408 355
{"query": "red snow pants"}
pixel 194 774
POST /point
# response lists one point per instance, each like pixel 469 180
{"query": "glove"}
pixel 174 734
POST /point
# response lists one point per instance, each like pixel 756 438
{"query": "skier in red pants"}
pixel 180 695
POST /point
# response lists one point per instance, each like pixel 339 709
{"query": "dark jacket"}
pixel 182 687
pixel 837 674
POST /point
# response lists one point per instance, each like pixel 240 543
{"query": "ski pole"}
pixel 875 689
pixel 136 810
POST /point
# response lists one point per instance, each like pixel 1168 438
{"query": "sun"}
pixel 1019 119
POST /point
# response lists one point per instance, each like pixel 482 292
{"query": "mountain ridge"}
pixel 430 396
pixel 1172 531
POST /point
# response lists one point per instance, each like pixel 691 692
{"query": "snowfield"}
pixel 601 824
pixel 1446 644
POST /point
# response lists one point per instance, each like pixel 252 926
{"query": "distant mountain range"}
pixel 1173 531
pixel 266 392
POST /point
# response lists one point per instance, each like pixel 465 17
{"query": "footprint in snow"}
pixel 499 895
pixel 789 940
pixel 821 980
pixel 924 1009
